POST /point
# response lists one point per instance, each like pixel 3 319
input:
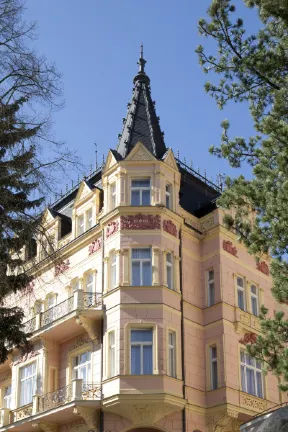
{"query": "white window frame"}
pixel 168 195
pixel 141 260
pixel 256 369
pixel 80 226
pixel 254 296
pixel 6 400
pixel 20 381
pixel 113 195
pixel 172 368
pixel 89 284
pixel 239 288
pixel 140 189
pixel 113 268
pixel 111 354
pixel 213 360
pixel 75 368
pixel 89 218
pixel 142 344
pixel 170 265
pixel 210 284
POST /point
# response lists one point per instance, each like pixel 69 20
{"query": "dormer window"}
pixel 140 192
pixel 168 193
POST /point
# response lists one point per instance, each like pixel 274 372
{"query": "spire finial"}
pixel 141 61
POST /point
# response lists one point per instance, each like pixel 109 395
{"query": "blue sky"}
pixel 95 45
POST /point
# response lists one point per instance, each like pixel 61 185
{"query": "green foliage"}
pixel 252 68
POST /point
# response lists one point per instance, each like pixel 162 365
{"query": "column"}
pixel 155 266
pixel 122 188
pixel 125 267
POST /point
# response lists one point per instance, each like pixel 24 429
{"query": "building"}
pixel 141 322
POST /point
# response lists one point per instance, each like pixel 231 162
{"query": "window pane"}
pixel 136 281
pixel 141 183
pixel 211 294
pixel 253 289
pixel 141 253
pixel 168 201
pixel 214 375
pixel 135 198
pixel 135 360
pixel 147 276
pixel 146 197
pixel 213 352
pixel 147 359
pixel 241 299
pixel 242 356
pixel 169 277
pixel 259 384
pixel 169 258
pixel 211 275
pixel 141 335
pixel 243 382
pixel 254 305
pixel 249 360
pixel 240 282
pixel 250 381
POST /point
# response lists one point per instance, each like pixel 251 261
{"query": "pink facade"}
pixel 140 325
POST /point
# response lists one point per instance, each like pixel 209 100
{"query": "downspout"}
pixel 182 332
pixel 101 420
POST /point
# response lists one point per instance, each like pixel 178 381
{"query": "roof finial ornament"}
pixel 141 61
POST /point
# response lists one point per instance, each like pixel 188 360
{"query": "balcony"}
pixel 246 322
pixel 63 314
pixel 59 405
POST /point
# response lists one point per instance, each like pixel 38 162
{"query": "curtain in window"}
pixel 27 383
pixel 147 359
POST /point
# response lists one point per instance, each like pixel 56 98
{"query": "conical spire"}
pixel 141 122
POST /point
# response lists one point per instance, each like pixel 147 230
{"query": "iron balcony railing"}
pixel 30 326
pixel 58 311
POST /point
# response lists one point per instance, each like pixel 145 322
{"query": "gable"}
pixel 47 217
pixel 140 153
pixel 83 191
pixel 110 161
pixel 170 160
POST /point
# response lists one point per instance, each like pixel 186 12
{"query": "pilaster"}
pixel 156 266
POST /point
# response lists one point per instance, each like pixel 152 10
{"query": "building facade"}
pixel 141 318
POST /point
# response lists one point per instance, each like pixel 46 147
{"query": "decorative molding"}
pixel 26 356
pixel 140 153
pixel 95 246
pixel 90 326
pixel 112 228
pixel 263 268
pixel 140 222
pixel 207 223
pixel 61 267
pixel 170 227
pixel 80 341
pixel 228 247
pixel 89 415
pixel 246 321
pixel 253 403
pixel 46 427
pixel 143 413
pixel 225 421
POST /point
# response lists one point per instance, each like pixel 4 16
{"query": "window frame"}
pixel 212 361
pixel 112 268
pixel 171 266
pixel 255 370
pixel 141 189
pixel 141 260
pixel 170 347
pixel 76 368
pixel 25 365
pixel 87 219
pixel 79 217
pixel 5 384
pixel 168 195
pixel 92 283
pixel 113 195
pixel 208 285
pixel 111 370
pixel 256 296
pixel 243 289
pixel 142 344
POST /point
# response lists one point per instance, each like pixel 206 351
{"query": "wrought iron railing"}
pixel 92 300
pixel 54 399
pixel 58 311
pixel 21 413
pixel 30 326
pixel 91 391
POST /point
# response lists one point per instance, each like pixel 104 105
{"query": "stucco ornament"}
pixel 225 421
pixel 45 427
pixel 228 247
pixel 112 228
pixel 140 222
pixel 61 267
pixel 263 267
pixel 170 227
pixel 90 326
pixel 89 415
pixel 95 246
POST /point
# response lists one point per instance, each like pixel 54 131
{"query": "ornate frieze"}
pixel 252 402
pixel 22 413
pixel 263 268
pixel 170 227
pixel 207 223
pixel 246 320
pixel 27 356
pixel 140 222
pixel 228 247
pixel 95 246
pixel 112 228
pixel 79 342
pixel 61 267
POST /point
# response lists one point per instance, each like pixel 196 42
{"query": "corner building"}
pixel 141 322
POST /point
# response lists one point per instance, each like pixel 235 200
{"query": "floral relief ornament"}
pixel 228 247
pixel 61 267
pixel 263 267
pixel 170 227
pixel 140 222
pixel 112 228
pixel 95 246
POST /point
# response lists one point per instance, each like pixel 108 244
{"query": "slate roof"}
pixel 141 122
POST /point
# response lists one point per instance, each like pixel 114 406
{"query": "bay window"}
pixel 169 270
pixel 241 293
pixel 141 267
pixel 254 300
pixel 210 288
pixel 172 354
pixel 82 367
pixel 140 192
pixel 27 383
pixel 251 375
pixel 141 345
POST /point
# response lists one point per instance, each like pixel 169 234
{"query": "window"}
pixel 89 282
pixel 38 307
pixel 254 299
pixel 140 192
pixel 89 219
pixel 172 354
pixel 82 367
pixel 27 383
pixel 241 293
pixel 169 270
pixel 251 375
pixel 7 396
pixel 81 226
pixel 214 367
pixel 211 288
pixel 111 354
pixel 141 267
pixel 168 195
pixel 141 351
pixel 74 285
pixel 113 271
pixel 113 196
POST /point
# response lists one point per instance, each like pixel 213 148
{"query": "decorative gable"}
pixel 140 153
pixel 110 161
pixel 169 159
pixel 47 218
pixel 83 191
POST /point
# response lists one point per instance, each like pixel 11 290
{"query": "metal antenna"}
pixel 96 154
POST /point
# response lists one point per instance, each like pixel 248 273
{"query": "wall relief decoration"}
pixel 61 267
pixel 112 228
pixel 170 227
pixel 95 246
pixel 263 268
pixel 248 338
pixel 228 247
pixel 26 356
pixel 140 222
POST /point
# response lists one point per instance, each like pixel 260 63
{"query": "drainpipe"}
pixel 182 332
pixel 101 420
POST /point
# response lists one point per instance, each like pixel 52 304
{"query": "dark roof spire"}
pixel 141 122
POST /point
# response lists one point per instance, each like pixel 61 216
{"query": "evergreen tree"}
pixel 253 69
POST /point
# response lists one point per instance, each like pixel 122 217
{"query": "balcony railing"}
pixel 79 301
pixel 21 413
pixel 54 399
